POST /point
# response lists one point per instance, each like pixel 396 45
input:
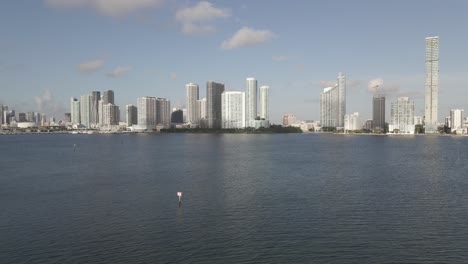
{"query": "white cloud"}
pixel 375 85
pixel 280 58
pixel 90 66
pixel 119 71
pixel 46 103
pixel 113 8
pixel 247 37
pixel 198 19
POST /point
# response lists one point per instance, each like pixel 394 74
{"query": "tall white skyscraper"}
pixel 233 110
pixel 250 101
pixel 85 110
pixel 193 112
pixel 110 115
pixel 146 108
pixel 432 84
pixel 333 104
pixel 264 104
pixel 75 111
pixel 402 116
pixel 202 106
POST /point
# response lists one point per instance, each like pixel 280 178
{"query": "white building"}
pixel 418 120
pixel 333 104
pixel 402 116
pixel 85 110
pixel 250 101
pixel 264 104
pixel 233 110
pixel 202 108
pixel 352 122
pixel 74 111
pixel 456 119
pixel 193 111
pixel 110 115
pixel 146 108
pixel 432 84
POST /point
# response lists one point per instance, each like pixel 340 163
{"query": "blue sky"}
pixel 54 49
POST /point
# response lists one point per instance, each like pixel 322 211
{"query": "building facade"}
pixel 193 112
pixel 214 91
pixel 264 102
pixel 378 112
pixel 146 111
pixel 94 116
pixel 250 101
pixel 333 104
pixel 233 110
pixel 131 115
pixel 75 111
pixel 352 122
pixel 85 110
pixel 456 119
pixel 163 112
pixel 108 97
pixel 402 116
pixel 110 115
pixel 289 120
pixel 432 84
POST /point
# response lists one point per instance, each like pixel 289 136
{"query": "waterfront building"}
pixel 110 115
pixel 264 102
pixel 202 106
pixel 163 112
pixel 146 109
pixel 67 117
pixel 177 116
pixel 30 117
pixel 289 120
pixel 213 104
pixel 131 115
pixel 378 112
pixel 333 104
pixel 456 119
pixel 1 114
pixel 352 122
pixel 250 101
pixel 85 110
pixel 43 120
pixel 233 109
pixel 108 97
pixel 369 124
pixel 75 111
pixel 21 117
pixel 418 120
pixel 193 111
pixel 94 105
pixel 100 112
pixel 432 84
pixel 402 116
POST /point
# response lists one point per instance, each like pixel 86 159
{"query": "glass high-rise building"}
pixel 108 97
pixel 378 112
pixel 75 111
pixel 94 117
pixel 85 110
pixel 213 104
pixel 432 84
pixel 132 115
pixel 333 104
pixel 163 112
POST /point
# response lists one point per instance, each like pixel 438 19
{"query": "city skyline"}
pixel 150 51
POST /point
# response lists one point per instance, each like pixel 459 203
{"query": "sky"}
pixel 51 50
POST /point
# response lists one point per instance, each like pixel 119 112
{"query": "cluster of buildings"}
pixel 9 118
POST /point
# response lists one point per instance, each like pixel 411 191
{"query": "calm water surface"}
pixel 247 199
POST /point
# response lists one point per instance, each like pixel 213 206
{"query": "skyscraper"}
pixel 213 103
pixel 432 84
pixel 110 115
pixel 85 110
pixel 202 106
pixel 333 104
pixel 108 97
pixel 177 116
pixel 352 122
pixel 250 101
pixel 193 113
pixel 75 110
pixel 378 112
pixel 233 110
pixel 94 117
pixel 132 115
pixel 264 106
pixel 163 112
pixel 402 116
pixel 146 112
pixel 456 119
pixel 1 114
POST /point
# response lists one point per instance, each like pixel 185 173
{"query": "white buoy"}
pixel 179 194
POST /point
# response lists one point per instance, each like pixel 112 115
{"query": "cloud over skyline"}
pixel 114 8
pixel 199 19
pixel 91 66
pixel 119 71
pixel 247 37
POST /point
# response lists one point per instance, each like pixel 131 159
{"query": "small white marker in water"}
pixel 179 194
